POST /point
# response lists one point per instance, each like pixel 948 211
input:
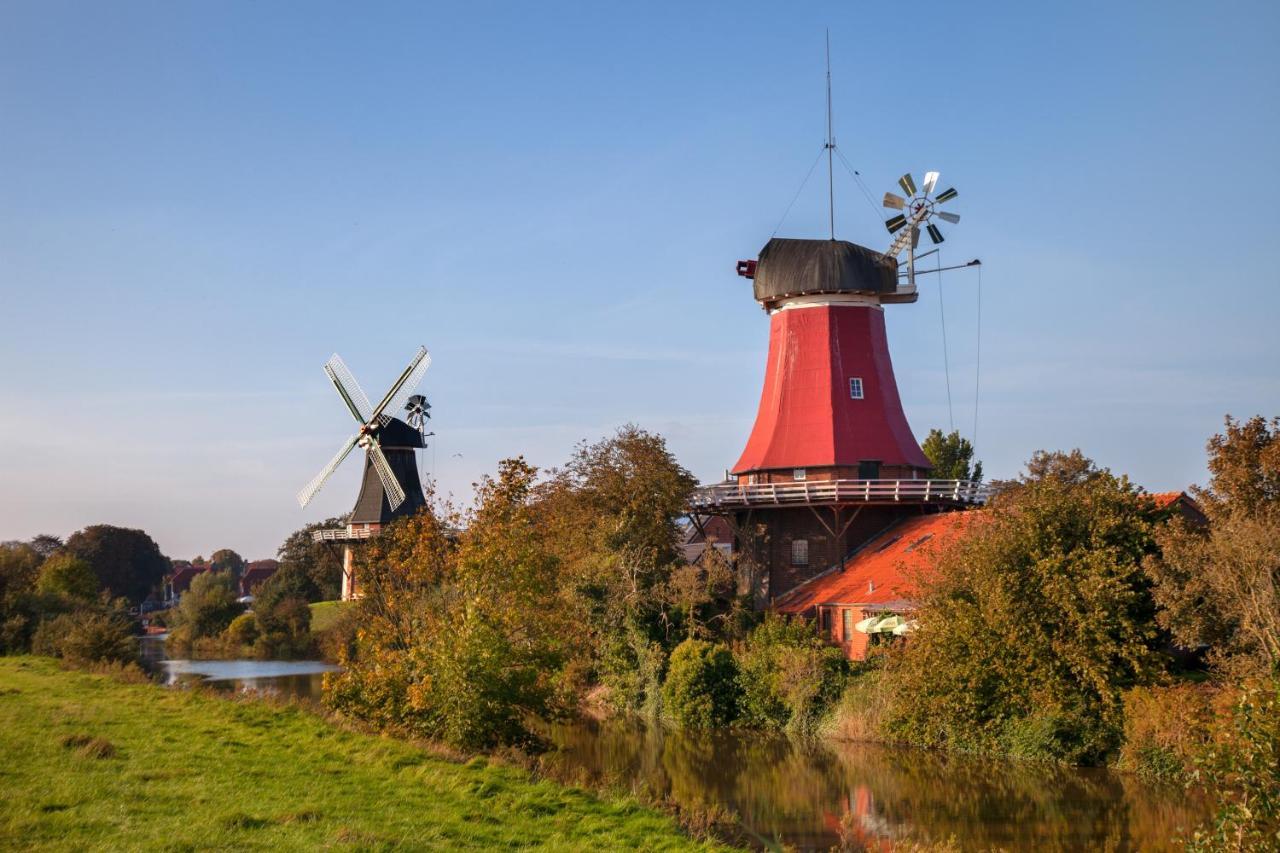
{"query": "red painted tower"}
pixel 831 460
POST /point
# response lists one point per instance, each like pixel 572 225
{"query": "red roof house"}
pixel 255 574
pixel 875 580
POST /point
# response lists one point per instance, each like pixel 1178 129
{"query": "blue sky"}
pixel 202 201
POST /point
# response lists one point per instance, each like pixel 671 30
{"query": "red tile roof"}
pixel 1164 500
pixel 879 573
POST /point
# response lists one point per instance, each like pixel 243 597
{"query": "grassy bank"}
pixel 90 762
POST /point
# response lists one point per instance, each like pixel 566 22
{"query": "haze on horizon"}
pixel 203 202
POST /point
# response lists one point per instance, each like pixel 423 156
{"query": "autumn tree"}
pixel 612 514
pixel 460 637
pixel 951 455
pixel 1220 585
pixel 1035 622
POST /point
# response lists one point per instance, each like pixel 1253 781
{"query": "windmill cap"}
pixel 789 267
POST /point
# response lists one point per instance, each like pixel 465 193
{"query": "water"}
pixel 289 679
pixel 817 796
pixel 863 795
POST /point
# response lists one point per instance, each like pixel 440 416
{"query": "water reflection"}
pixel 288 679
pixel 297 679
pixel 818 796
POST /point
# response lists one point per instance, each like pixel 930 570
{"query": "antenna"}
pixel 830 146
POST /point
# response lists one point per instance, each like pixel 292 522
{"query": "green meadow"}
pixel 92 762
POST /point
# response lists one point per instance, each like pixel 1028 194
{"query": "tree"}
pixel 1034 622
pixel 951 455
pixel 226 560
pixel 127 562
pixel 207 608
pixel 67 577
pixel 612 515
pixel 19 609
pixel 46 544
pixel 300 555
pixel 1220 586
pixel 460 637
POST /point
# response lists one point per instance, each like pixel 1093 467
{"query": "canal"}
pixel 816 796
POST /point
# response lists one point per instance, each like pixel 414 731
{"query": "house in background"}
pixel 179 581
pixel 255 574
pixel 869 598
pixel 855 601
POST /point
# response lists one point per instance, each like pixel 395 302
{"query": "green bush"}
pixel 789 675
pixel 701 690
pixel 243 630
pixel 88 636
pixel 283 628
pixel 207 608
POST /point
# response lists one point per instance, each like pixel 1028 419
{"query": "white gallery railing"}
pixel 342 534
pixel 839 491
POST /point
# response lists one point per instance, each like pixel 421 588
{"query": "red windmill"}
pixel 831 460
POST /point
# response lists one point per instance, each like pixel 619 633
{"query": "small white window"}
pixel 799 474
pixel 799 552
pixel 855 387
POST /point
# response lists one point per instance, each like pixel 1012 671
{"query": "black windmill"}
pixel 391 487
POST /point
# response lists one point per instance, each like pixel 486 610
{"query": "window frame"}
pixel 857 390
pixel 799 474
pixel 800 553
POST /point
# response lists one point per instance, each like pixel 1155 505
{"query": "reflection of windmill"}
pixel 919 208
pixel 391 487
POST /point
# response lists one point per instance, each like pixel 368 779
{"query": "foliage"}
pixel 702 597
pixel 459 643
pixel 315 785
pixel 1221 586
pixel 1165 728
pixel 951 455
pixel 701 689
pixel 66 577
pixel 243 630
pixel 226 560
pixel 19 605
pixel 88 636
pixel 1242 767
pixel 207 608
pixel 789 675
pixel 128 563
pixel 283 627
pixel 311 564
pixel 1035 622
pixel 611 518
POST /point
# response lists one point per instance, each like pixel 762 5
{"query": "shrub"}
pixel 283 629
pixel 1165 728
pixel 1241 766
pixel 243 630
pixel 701 689
pixel 789 675
pixel 88 636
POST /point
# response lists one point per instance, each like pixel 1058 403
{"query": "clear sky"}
pixel 200 202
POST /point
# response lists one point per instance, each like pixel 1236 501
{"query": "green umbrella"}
pixel 888 624
pixel 868 625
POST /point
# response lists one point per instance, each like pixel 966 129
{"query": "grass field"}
pixel 88 762
pixel 325 613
